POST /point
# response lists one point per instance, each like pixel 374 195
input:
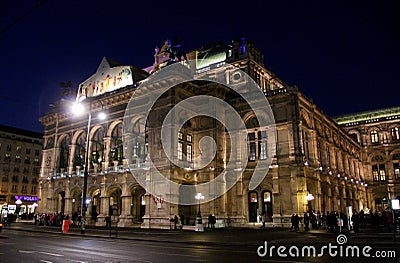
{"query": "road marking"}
pixel 50 254
pixel 40 252
pixel 172 254
pixel 45 261
pixel 26 251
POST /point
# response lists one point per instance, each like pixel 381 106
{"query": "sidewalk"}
pixel 218 236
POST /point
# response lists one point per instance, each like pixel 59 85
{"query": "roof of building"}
pixel 368 116
pixel 18 131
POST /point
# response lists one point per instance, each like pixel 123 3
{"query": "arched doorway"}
pixel 115 199
pixel 253 206
pixel 138 203
pixel 188 212
pixel 95 209
pixel 267 205
pixel 76 196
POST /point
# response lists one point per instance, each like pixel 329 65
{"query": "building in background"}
pixel 20 160
pixel 378 132
pixel 316 165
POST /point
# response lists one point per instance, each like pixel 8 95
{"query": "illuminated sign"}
pixel 107 78
pixel 26 198
pixel 210 57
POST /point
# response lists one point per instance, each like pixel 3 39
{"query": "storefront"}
pixel 23 206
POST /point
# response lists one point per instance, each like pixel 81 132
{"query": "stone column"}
pixel 71 158
pixel 104 203
pixel 125 219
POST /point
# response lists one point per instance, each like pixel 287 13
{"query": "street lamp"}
pixel 199 197
pixel 78 109
pixel 199 221
pixel 309 198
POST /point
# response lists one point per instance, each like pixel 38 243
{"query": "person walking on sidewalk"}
pixel 263 220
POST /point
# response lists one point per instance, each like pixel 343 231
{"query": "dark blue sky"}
pixel 343 55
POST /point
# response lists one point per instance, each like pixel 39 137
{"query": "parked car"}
pixel 1 226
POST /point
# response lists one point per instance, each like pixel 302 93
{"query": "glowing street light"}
pixel 79 109
pixel 199 221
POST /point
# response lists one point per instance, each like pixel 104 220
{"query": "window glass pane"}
pixel 262 150
pixel 267 197
pixel 180 153
pixel 252 151
pixel 189 152
pixel 374 136
pixel 395 133
pixel 253 197
pixel 252 136
pixel 396 168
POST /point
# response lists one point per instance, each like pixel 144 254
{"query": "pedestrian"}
pixel 263 219
pixel 296 223
pixel 292 221
pixel 213 221
pixel 175 221
pixel 108 221
pixel 209 220
pixel 306 222
pixel 355 219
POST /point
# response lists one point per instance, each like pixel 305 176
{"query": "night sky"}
pixel 343 55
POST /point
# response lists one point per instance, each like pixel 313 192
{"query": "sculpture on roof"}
pixel 176 52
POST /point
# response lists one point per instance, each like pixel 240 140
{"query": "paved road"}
pixel 29 243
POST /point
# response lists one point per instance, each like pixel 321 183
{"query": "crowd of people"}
pixel 333 221
pixel 56 219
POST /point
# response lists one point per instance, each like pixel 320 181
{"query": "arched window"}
pixel 64 153
pixel 253 206
pixel 395 133
pixel 267 205
pixel 374 136
pixel 79 155
pixel 97 147
pixel 116 151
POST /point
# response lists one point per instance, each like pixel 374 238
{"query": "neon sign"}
pixel 26 198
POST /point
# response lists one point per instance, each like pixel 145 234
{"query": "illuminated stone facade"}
pixel 313 155
pixel 20 159
pixel 378 132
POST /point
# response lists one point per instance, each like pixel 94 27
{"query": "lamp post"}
pixel 78 109
pixel 199 221
pixel 309 198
